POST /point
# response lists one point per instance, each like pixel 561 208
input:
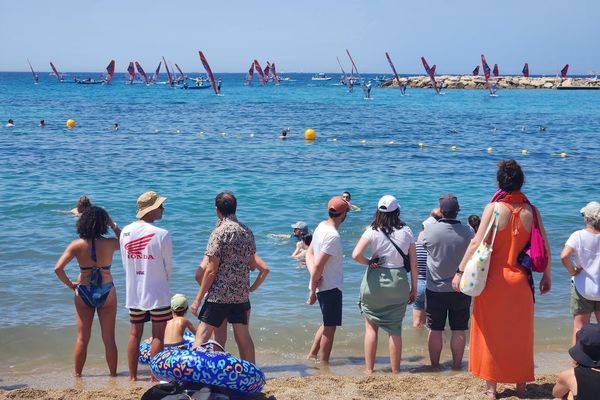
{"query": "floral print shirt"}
pixel 234 244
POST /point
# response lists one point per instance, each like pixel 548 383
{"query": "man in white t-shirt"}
pixel 324 262
pixel 147 258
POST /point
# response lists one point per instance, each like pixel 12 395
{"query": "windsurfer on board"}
pixel 368 90
pixel 219 86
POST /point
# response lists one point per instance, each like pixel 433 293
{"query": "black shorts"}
pixel 215 313
pixel 330 302
pixel 452 305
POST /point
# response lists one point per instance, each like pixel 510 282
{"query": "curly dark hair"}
pixel 387 222
pixel 83 204
pixel 510 176
pixel 93 223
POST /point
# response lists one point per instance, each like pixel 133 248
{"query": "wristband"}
pixel 459 272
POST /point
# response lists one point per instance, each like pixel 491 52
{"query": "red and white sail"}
pixel 169 79
pixel 131 71
pixel 141 71
pixel 526 70
pixel 155 76
pixel 274 74
pixel 211 77
pixel 267 71
pixel 431 73
pixel 486 74
pixel 181 75
pixel 495 71
pixel 56 73
pixel 476 71
pixel 258 69
pixel 249 75
pixel 35 76
pixel 110 72
pixel 401 87
pixel 564 71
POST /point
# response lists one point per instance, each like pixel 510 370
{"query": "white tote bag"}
pixel 473 278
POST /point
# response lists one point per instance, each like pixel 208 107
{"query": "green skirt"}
pixel 383 298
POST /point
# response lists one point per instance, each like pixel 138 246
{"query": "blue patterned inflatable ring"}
pixel 145 345
pixel 210 368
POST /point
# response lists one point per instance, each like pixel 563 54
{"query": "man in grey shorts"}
pixel 446 241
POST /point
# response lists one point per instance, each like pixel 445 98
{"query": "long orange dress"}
pixel 501 338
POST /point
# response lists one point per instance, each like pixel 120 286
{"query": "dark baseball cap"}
pixel 449 203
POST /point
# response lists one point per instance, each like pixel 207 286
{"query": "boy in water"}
pixel 177 326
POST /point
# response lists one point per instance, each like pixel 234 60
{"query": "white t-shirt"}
pixel 327 239
pixel 587 256
pixel 146 252
pixel 382 247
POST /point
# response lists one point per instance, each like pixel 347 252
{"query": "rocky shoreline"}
pixel 502 82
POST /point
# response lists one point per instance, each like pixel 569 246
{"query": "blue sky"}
pixel 302 36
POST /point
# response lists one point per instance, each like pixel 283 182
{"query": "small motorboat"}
pixel 89 81
pixel 321 76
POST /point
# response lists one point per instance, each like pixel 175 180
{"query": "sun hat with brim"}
pixel 388 203
pixel 178 302
pixel 591 211
pixel 586 351
pixel 147 202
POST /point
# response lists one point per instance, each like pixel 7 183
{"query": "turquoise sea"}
pixel 190 144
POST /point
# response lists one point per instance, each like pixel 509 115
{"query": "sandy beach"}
pixel 378 386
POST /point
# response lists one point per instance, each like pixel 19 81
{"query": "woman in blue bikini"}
pixel 94 288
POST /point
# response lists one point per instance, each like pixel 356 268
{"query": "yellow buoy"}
pixel 310 134
pixel 71 123
pixel 421 145
pixel 524 152
pixel 563 155
pixel 453 148
pixel 490 149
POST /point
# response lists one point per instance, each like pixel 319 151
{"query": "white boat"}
pixel 321 76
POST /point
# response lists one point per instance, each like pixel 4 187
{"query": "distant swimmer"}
pixel 284 133
pixel 10 124
pixel 83 204
pixel 346 196
pixel 523 128
pixel 542 128
pixel 453 130
pixel 493 129
pixel 42 123
pixel 303 237
pixel 115 126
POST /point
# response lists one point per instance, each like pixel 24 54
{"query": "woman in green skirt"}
pixel 385 291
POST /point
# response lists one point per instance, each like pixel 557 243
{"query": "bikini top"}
pixel 95 276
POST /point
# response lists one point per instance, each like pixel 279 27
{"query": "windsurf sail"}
pixel 169 79
pixel 476 71
pixel 395 73
pixel 211 77
pixel 495 70
pixel 431 73
pixel 563 72
pixel 250 75
pixel 526 70
pixel 131 71
pixel 267 71
pixel 182 76
pixel 110 71
pixel 36 78
pixel 155 76
pixel 56 73
pixel 486 73
pixel 260 72
pixel 274 73
pixel 140 70
pixel 343 72
pixel 366 89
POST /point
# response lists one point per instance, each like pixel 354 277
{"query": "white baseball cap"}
pixel 388 203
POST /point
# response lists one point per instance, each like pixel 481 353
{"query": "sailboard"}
pixel 274 74
pixel 36 78
pixel 141 71
pixel 56 73
pixel 155 76
pixel 563 72
pixel 169 79
pixel 211 77
pixel 181 75
pixel 131 71
pixel 486 74
pixel 365 88
pixel 260 72
pixel 495 71
pixel 431 73
pixel 110 72
pixel 249 75
pixel 476 71
pixel 526 70
pixel 402 89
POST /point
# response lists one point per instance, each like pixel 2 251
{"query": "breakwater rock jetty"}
pixel 502 82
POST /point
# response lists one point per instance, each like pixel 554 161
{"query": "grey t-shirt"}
pixel 446 242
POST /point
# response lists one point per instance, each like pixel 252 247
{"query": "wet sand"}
pixel 378 386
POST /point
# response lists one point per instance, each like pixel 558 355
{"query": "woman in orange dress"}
pixel 501 337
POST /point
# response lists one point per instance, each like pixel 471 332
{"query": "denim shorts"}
pixel 419 303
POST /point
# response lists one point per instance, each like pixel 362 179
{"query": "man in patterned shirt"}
pixel 226 281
